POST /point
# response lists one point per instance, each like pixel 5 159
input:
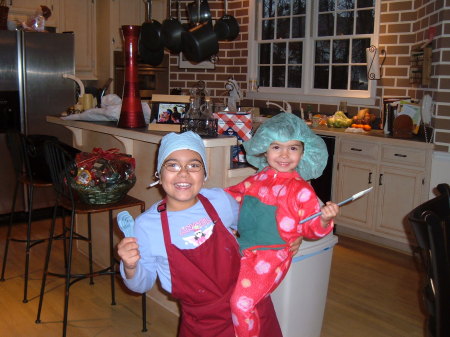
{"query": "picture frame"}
pixel 167 112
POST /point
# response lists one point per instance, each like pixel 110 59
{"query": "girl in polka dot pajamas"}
pixel 273 202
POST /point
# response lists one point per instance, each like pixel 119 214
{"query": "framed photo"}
pixel 170 113
pixel 167 112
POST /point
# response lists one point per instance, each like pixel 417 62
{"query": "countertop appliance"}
pixel 31 87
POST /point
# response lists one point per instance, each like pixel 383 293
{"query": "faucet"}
pixel 288 108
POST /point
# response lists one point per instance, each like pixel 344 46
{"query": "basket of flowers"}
pixel 103 177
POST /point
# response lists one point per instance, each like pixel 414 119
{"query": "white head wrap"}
pixel 180 141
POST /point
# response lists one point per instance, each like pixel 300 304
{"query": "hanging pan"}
pixel 171 31
pixel 151 30
pixel 200 42
pixel 227 27
pixel 198 12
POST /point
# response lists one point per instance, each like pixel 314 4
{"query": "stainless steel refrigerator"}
pixel 32 87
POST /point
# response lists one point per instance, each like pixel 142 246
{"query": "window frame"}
pixel 307 93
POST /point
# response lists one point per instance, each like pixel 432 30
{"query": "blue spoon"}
pixel 126 223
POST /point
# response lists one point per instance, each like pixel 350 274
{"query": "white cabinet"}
pixel 79 17
pixel 20 9
pixel 399 175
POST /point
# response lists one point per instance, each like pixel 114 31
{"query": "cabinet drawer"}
pixel 361 150
pixel 403 155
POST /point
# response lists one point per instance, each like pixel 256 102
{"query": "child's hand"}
pixel 295 245
pixel 128 250
pixel 329 212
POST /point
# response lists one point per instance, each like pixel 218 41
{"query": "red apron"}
pixel 204 278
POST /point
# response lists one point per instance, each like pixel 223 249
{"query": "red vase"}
pixel 131 114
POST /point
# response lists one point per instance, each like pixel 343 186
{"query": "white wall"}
pixel 440 170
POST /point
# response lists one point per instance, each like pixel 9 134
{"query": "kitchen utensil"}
pixel 353 197
pixel 227 27
pixel 151 30
pixel 152 57
pixel 171 30
pixel 126 223
pixel 198 12
pixel 200 42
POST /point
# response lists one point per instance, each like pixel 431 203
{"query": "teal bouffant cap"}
pixel 283 128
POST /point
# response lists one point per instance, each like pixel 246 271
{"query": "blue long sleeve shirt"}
pixel 188 229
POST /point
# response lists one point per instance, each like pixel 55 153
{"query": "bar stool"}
pixel 20 150
pixel 61 164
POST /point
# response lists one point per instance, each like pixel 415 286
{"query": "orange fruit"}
pixel 353 125
pixel 367 127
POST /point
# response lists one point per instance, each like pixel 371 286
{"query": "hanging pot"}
pixel 227 27
pixel 171 31
pixel 200 42
pixel 198 12
pixel 152 57
pixel 151 30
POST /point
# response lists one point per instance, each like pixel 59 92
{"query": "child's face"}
pixel 182 187
pixel 284 156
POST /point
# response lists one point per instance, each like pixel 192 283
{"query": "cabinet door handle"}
pixel 400 155
pixel 370 177
pixel 355 149
pixel 380 182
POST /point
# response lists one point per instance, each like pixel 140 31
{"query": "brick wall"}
pixel 404 26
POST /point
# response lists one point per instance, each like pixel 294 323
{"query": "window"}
pixel 312 47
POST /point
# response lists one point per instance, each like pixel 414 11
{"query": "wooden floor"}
pixel 372 292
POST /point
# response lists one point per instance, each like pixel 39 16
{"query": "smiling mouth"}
pixel 182 185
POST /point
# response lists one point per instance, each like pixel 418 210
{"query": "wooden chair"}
pixel 21 150
pixel 60 167
pixel 431 225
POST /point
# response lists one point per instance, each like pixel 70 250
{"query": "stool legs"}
pixel 46 263
pixel 144 312
pixel 8 234
pixel 111 258
pixel 91 269
pixel 28 243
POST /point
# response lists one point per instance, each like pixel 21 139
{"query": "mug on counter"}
pixel 87 100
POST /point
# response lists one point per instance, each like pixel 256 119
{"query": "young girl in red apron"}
pixel 203 276
pixel 273 202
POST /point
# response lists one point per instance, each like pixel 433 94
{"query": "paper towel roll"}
pixel 373 63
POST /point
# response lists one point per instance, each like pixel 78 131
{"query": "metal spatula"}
pixel 353 197
pixel 126 223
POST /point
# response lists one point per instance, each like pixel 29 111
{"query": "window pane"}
pixel 298 27
pixel 267 31
pixel 264 53
pixel 326 5
pixel 345 4
pixel 264 76
pixel 295 77
pixel 322 51
pixel 344 24
pixel 295 53
pixel 359 78
pixel 279 53
pixel 339 77
pixel 359 50
pixel 321 74
pixel 341 51
pixel 366 3
pixel 364 21
pixel 284 8
pixel 268 8
pixel 283 28
pixel 278 76
pixel 299 7
pixel 326 25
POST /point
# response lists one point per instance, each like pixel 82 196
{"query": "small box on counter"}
pixel 235 124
